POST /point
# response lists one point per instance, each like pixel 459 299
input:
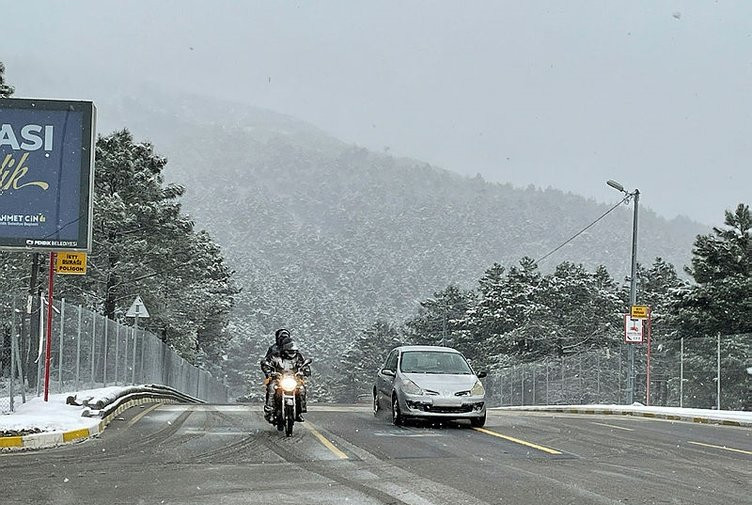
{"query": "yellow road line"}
pixel 138 416
pixel 721 447
pixel 613 426
pixel 327 443
pixel 518 441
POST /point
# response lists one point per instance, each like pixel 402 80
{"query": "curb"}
pixel 118 406
pixel 620 412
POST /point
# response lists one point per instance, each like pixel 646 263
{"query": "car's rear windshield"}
pixel 434 362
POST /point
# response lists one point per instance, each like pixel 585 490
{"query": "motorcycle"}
pixel 287 385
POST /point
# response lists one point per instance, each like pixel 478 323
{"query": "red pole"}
pixel 50 310
pixel 650 334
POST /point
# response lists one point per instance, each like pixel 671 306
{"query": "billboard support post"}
pixel 48 336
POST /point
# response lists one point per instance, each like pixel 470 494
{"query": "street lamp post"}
pixel 632 282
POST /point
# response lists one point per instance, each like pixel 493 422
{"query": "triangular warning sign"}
pixel 138 309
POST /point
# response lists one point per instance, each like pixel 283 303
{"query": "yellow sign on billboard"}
pixel 640 311
pixel 70 263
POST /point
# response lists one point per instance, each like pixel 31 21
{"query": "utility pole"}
pixel 632 282
pixel 633 295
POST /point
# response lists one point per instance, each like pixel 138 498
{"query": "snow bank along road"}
pixel 226 454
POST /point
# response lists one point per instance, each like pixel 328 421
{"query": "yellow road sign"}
pixel 70 263
pixel 640 311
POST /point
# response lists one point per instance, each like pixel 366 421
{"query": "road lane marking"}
pixel 196 431
pixel 138 416
pixel 518 441
pixel 721 447
pixel 613 426
pixel 327 443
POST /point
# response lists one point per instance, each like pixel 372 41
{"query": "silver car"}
pixel 429 382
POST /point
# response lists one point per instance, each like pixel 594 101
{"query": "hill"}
pixel 326 237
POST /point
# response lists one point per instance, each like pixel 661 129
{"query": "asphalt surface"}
pixel 177 454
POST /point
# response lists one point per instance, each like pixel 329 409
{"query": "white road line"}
pixel 613 426
pixel 723 447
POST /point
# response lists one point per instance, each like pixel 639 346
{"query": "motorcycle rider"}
pixel 283 350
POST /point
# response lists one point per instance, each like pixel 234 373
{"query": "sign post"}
pixel 137 309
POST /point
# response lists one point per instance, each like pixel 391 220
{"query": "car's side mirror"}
pixel 390 373
pixel 482 375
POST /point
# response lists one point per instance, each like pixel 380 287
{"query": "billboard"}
pixel 46 174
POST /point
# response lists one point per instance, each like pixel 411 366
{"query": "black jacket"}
pixel 273 362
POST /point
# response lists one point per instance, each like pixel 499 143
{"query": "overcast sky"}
pixel 655 94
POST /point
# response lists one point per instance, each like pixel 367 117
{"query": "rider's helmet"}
pixel 289 348
pixel 281 335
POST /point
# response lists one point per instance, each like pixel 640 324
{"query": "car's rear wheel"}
pixel 397 418
pixel 478 422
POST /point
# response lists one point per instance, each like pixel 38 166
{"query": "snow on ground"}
pixel 716 415
pixel 55 415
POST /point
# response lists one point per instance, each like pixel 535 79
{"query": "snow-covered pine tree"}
pixel 6 90
pixel 720 303
pixel 144 245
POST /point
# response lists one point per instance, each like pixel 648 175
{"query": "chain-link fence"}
pixel 88 351
pixel 683 373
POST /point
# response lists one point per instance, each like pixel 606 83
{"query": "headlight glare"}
pixel 478 389
pixel 288 383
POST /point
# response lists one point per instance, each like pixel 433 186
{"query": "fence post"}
pixel 501 389
pixel 522 385
pixel 582 383
pixel 143 346
pixel 135 344
pixel 681 372
pixel 718 373
pixel 93 345
pixel 598 375
pixel 511 386
pixel 546 382
pixel 19 361
pixel 104 353
pixel 60 350
pixel 562 382
pixel 125 356
pixel 618 381
pixel 13 353
pixel 78 349
pixel 534 402
pixel 117 350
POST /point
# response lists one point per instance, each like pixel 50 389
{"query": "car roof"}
pixel 426 348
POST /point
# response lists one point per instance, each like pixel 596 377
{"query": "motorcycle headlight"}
pixel 288 383
pixel 411 388
pixel 478 389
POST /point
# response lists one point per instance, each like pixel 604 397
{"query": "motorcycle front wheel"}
pixel 289 419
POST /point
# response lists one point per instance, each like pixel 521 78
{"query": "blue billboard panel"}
pixel 46 174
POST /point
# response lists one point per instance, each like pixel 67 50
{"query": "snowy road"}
pixel 227 454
